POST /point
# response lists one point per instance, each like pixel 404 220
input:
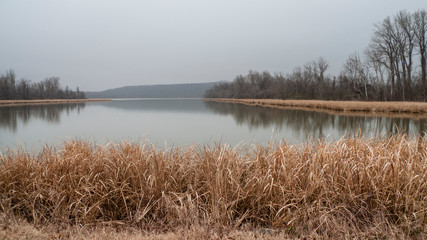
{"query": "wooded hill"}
pixel 189 90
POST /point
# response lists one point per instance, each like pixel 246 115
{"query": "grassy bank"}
pixel 47 101
pixel 339 106
pixel 349 188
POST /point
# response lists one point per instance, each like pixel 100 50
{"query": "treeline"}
pixel 393 68
pixel 11 89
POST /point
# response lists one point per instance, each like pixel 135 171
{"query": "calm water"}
pixel 181 122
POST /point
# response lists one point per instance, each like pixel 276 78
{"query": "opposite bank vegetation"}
pixel 24 89
pixel 418 108
pixel 392 68
pixel 351 188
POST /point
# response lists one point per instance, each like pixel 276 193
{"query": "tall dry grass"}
pixel 347 106
pixel 353 187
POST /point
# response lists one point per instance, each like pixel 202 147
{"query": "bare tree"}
pixel 405 29
pixel 355 71
pixel 389 45
pixel 310 76
pixel 420 31
pixel 7 85
pixel 322 66
pixel 239 86
pixel 373 60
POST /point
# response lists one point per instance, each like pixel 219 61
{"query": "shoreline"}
pixel 411 109
pixel 4 103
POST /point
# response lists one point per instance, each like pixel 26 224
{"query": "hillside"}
pixel 189 90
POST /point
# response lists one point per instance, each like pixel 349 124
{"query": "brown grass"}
pixel 352 188
pixel 339 106
pixel 14 228
pixel 47 101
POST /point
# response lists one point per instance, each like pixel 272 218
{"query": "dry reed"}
pixel 354 188
pixel 339 106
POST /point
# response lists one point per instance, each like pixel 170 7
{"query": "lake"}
pixel 173 122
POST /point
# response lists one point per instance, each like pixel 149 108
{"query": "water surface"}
pixel 172 122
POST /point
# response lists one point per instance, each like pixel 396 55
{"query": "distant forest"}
pixel 11 89
pixel 393 68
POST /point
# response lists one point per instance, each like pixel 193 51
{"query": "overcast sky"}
pixel 101 44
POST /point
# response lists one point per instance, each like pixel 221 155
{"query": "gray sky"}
pixel 101 44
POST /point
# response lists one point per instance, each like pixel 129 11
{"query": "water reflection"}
pixel 181 122
pixel 156 105
pixel 11 115
pixel 316 124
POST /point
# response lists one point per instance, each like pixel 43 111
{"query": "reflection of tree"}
pixel 9 116
pixel 315 124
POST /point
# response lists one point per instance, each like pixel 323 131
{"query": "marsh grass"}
pixel 337 106
pixel 350 188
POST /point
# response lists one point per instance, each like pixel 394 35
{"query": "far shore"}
pixel 49 101
pixel 412 108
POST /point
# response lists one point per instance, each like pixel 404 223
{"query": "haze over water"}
pixel 166 122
